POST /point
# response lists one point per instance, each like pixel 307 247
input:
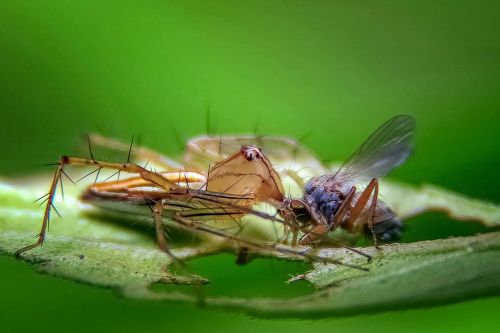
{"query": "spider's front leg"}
pixel 148 176
pixel 138 152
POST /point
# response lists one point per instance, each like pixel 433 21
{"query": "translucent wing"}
pixel 389 146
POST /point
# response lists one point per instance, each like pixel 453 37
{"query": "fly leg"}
pixel 371 191
pixel 149 176
pixel 340 215
pixel 323 228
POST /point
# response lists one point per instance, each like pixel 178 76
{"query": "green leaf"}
pixel 87 248
pixel 407 201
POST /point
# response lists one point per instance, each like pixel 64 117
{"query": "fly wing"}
pixel 388 147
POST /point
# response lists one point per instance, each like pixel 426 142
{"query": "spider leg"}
pixel 256 244
pixel 46 215
pixel 141 153
pixel 149 176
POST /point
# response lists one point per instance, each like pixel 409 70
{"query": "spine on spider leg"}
pixel 49 205
pixel 66 160
pixel 147 175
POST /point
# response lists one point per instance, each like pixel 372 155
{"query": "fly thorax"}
pixel 323 200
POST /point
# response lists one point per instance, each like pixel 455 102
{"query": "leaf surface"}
pixel 87 248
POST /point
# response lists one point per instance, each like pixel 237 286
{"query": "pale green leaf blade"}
pixel 85 248
pixel 407 201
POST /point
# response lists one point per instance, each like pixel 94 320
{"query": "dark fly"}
pixel 334 200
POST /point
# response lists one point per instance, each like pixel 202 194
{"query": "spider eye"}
pixel 251 153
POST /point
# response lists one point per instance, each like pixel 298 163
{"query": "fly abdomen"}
pixel 388 230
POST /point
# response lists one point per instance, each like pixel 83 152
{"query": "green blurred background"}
pixel 336 69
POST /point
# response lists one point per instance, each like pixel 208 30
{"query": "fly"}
pixel 334 200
